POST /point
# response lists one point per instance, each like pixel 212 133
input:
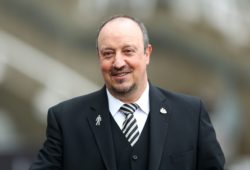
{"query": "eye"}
pixel 129 51
pixel 108 54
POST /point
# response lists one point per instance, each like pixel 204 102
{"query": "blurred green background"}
pixel 47 55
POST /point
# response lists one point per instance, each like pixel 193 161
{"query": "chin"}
pixel 123 89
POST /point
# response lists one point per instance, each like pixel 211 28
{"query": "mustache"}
pixel 115 71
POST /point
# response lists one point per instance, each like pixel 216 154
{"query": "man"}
pixel 154 130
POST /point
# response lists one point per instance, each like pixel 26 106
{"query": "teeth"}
pixel 121 74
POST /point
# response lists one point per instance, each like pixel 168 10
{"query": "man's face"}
pixel 123 60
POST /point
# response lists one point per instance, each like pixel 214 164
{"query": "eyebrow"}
pixel 106 48
pixel 130 46
pixel 125 46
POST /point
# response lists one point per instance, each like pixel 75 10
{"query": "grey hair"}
pixel 137 21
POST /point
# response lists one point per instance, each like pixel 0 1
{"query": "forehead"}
pixel 119 27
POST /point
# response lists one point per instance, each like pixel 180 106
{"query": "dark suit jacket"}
pixel 181 139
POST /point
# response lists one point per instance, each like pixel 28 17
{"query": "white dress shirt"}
pixel 141 114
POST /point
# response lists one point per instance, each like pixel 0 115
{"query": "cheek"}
pixel 105 67
pixel 140 64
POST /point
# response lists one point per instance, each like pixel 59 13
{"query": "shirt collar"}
pixel 115 104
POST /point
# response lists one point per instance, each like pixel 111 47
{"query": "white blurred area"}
pixel 47 55
pixel 55 77
pixel 229 17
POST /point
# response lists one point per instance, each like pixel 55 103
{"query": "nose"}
pixel 119 61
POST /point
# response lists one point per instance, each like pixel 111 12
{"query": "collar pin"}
pixel 163 111
pixel 98 120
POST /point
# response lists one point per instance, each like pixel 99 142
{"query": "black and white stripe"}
pixel 130 128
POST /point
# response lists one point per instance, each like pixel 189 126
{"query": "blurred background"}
pixel 47 55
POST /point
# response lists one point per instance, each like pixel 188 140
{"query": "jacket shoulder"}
pixel 78 103
pixel 178 96
pixel 180 99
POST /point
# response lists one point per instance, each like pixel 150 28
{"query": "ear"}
pixel 148 53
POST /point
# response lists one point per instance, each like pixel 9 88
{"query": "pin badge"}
pixel 98 120
pixel 163 111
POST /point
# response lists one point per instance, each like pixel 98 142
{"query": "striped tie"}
pixel 130 128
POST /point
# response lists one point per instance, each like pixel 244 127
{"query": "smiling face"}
pixel 123 60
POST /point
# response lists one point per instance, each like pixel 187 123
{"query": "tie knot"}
pixel 129 108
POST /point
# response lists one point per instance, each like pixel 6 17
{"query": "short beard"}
pixel 123 93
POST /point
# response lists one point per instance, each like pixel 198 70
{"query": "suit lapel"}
pixel 159 117
pixel 158 128
pixel 102 130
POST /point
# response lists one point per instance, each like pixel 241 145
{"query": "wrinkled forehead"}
pixel 120 20
pixel 120 26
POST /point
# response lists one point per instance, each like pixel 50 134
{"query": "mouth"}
pixel 122 74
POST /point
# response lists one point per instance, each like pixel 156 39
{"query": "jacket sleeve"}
pixel 50 155
pixel 210 155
